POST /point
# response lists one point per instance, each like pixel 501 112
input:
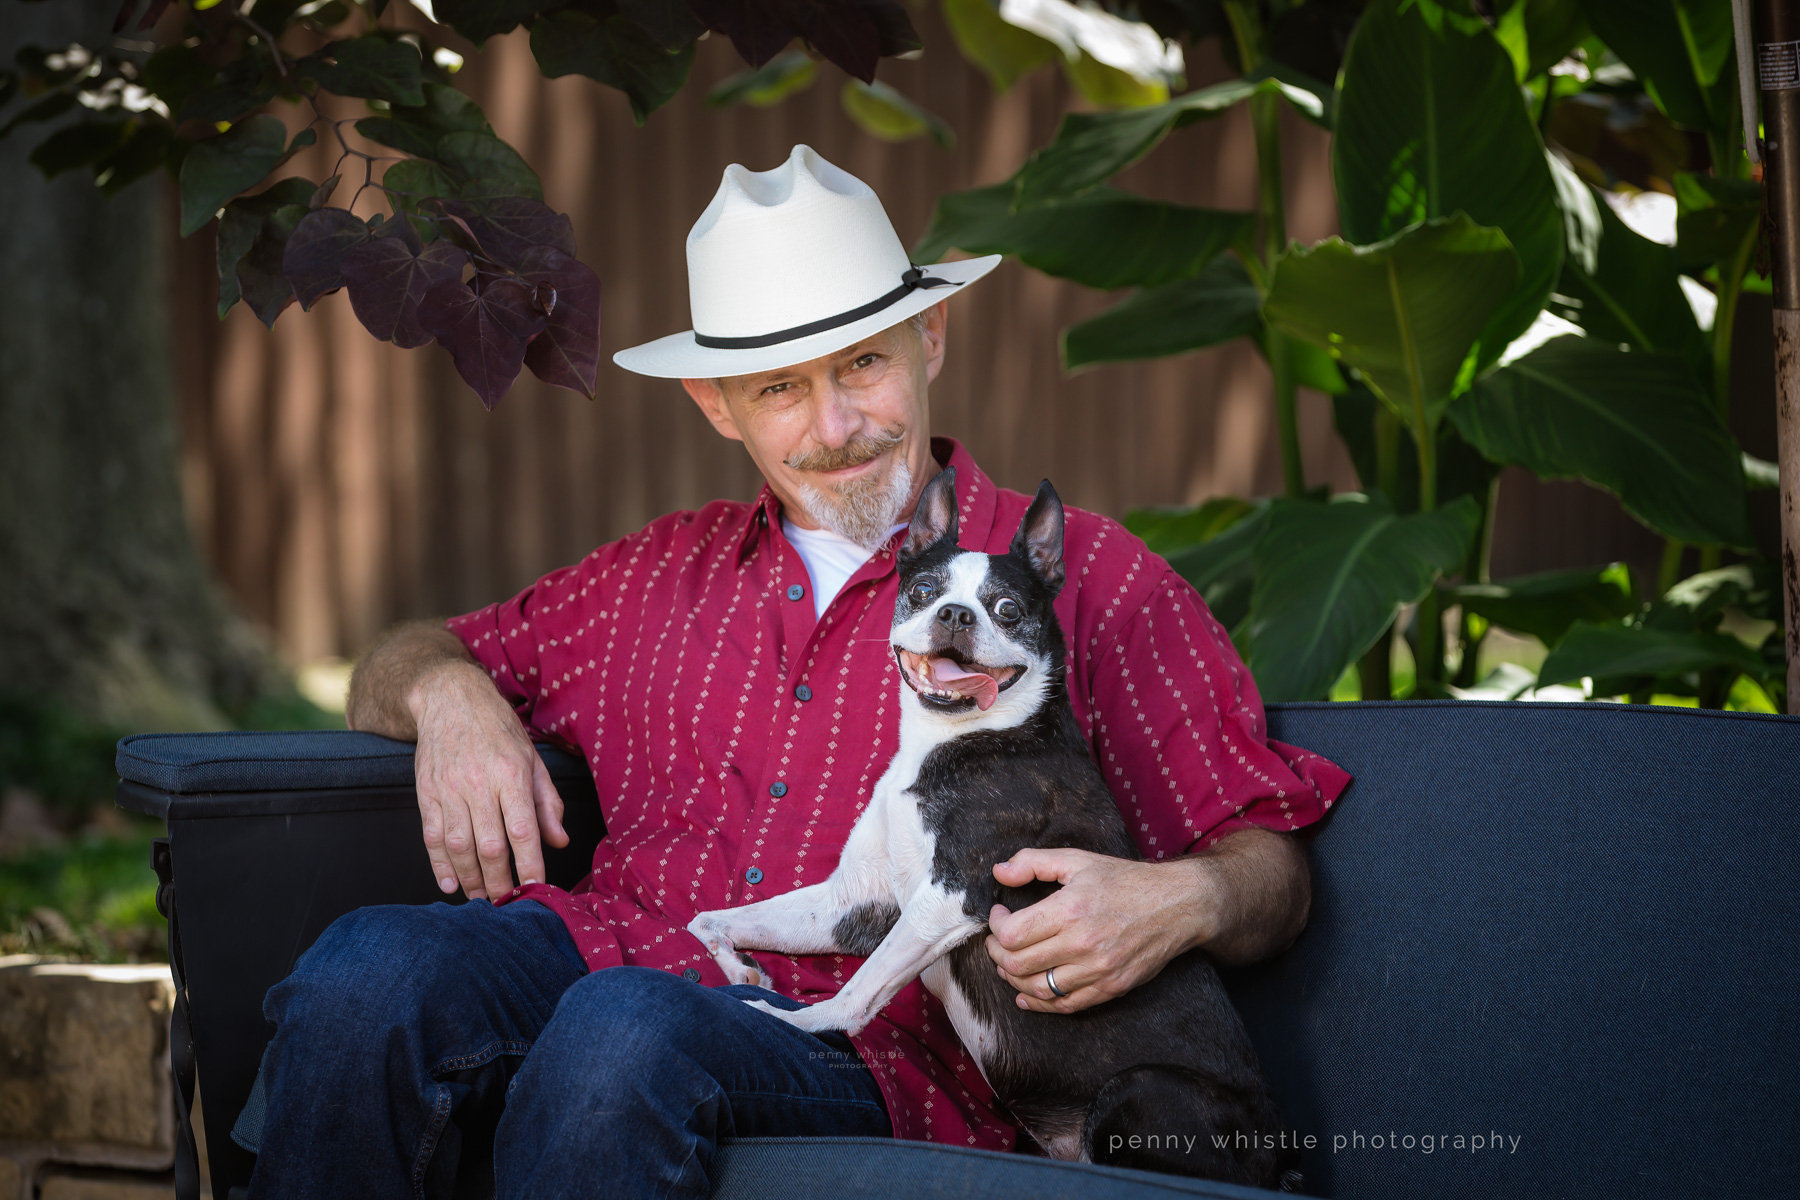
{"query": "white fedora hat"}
pixel 790 264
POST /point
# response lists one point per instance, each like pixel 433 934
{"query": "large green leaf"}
pixel 1431 122
pixel 1330 577
pixel 219 168
pixel 416 130
pixel 1632 422
pixel 1103 238
pixel 1545 605
pixel 370 67
pixel 1614 655
pixel 1461 469
pixel 482 167
pixel 788 72
pixel 1223 568
pixel 1404 312
pixel 995 45
pixel 1620 286
pixel 1215 306
pixel 616 51
pixel 1714 217
pixel 892 115
pixel 1681 50
pixel 1538 33
pixel 1168 530
pixel 1091 148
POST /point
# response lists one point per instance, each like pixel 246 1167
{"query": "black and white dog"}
pixel 991 761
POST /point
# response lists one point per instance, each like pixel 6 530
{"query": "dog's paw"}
pixel 741 968
pixel 709 928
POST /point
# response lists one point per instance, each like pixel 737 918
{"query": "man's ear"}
pixel 935 518
pixel 1040 537
pixel 711 399
pixel 931 338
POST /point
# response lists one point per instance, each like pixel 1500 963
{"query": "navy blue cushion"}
pixel 881 1169
pixel 187 764
pixel 291 761
pixel 1571 926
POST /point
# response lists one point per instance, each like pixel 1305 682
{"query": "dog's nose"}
pixel 956 616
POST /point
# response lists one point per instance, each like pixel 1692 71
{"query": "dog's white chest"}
pixel 910 846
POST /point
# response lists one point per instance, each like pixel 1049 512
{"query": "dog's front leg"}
pixel 847 914
pixel 800 922
pixel 932 923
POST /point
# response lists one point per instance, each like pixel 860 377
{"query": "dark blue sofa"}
pixel 1565 934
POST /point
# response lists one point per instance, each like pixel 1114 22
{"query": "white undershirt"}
pixel 830 558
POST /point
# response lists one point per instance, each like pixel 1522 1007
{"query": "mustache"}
pixel 852 453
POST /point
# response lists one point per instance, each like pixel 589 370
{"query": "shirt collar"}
pixel 975 498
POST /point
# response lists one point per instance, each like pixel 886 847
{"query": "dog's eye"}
pixel 1007 609
pixel 921 592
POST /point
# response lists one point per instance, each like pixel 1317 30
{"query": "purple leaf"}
pixel 510 226
pixel 317 247
pixel 757 31
pixel 567 353
pixel 387 279
pixel 486 332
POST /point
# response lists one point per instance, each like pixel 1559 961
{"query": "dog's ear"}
pixel 1040 537
pixel 935 518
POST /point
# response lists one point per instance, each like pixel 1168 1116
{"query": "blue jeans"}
pixel 440 1050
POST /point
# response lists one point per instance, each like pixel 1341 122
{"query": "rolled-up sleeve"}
pixel 1179 732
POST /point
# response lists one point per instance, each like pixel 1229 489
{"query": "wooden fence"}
pixel 339 484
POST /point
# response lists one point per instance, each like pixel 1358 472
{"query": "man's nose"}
pixel 837 420
pixel 955 617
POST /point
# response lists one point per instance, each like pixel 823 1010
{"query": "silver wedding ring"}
pixel 1050 978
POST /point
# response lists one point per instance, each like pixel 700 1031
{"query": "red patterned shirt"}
pixel 734 739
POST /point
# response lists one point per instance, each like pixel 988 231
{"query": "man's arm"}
pixel 483 791
pixel 1116 923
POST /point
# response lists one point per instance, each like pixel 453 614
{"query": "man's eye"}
pixel 775 389
pixel 1007 609
pixel 865 361
pixel 921 592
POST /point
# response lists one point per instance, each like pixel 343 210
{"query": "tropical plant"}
pixel 1484 306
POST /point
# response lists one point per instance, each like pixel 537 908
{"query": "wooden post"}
pixel 1778 76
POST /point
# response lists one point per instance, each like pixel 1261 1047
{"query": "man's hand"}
pixel 1116 923
pixel 485 798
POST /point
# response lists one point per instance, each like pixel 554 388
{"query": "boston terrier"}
pixel 991 760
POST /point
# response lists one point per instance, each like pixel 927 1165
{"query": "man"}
pixel 726 674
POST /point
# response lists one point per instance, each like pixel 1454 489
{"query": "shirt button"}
pixel 753 875
pixel 778 789
pixel 795 592
pixel 691 975
pixel 803 692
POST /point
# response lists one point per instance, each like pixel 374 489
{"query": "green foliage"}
pixel 1217 305
pixel 1468 246
pixel 1405 312
pixel 94 899
pixel 1330 577
pixel 49 752
pixel 890 116
pixel 1101 238
pixel 1004 51
pixel 196 107
pixel 1634 423
pixel 1430 123
pixel 616 51
pixel 1545 605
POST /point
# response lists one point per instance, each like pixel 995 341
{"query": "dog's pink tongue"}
pixel 954 678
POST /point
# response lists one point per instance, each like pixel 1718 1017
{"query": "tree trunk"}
pixel 105 606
